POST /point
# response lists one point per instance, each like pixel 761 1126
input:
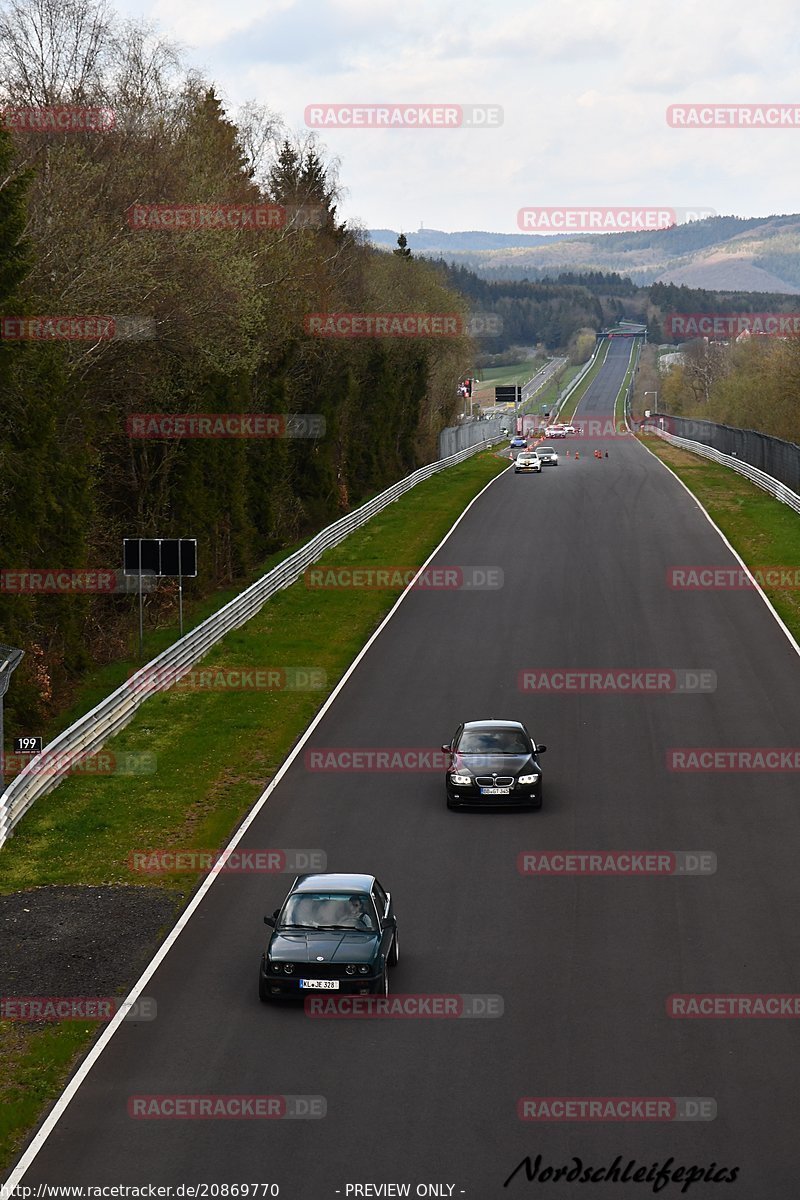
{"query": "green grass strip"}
pixel 763 531
pixel 216 750
pixel 568 411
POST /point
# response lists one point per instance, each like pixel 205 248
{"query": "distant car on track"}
pixel 493 763
pixel 548 455
pixel 333 933
pixel 518 441
pixel 526 461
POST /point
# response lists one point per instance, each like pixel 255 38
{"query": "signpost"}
pixel 10 658
pixel 174 557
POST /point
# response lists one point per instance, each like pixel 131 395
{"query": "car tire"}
pixel 263 992
pixel 383 984
pixel 394 952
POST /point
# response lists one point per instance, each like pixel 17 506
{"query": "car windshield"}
pixel 493 741
pixel 545 450
pixel 328 910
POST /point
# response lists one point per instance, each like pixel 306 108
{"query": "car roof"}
pixel 492 723
pixel 333 883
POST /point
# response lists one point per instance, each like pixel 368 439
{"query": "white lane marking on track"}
pixel 789 635
pixel 85 1067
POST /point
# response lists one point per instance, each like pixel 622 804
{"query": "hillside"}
pixel 760 254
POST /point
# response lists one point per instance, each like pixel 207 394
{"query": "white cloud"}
pixel 584 86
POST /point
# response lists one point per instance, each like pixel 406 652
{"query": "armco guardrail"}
pixel 90 732
pixel 570 388
pixel 760 478
pixel 773 455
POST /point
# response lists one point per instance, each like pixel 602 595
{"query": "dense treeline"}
pixel 754 384
pixel 532 313
pixel 549 312
pixel 211 321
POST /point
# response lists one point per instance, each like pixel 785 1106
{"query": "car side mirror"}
pixel 269 921
pixel 446 749
pixel 541 749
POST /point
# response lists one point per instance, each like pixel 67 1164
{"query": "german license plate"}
pixel 321 985
pixel 495 791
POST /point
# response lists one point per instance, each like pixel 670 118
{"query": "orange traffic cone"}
pixel 577 456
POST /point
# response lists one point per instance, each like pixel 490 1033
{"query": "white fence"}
pixel 462 437
pixel 775 488
pixel 89 733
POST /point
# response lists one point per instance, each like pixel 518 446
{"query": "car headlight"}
pixel 277 967
pixel 461 780
pixel 363 969
pixel 528 779
pixel 288 968
pixel 350 968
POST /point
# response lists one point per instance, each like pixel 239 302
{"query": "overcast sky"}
pixel 583 86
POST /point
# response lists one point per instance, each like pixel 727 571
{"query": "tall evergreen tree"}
pixel 403 250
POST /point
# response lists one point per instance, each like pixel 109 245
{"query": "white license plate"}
pixel 495 791
pixel 321 985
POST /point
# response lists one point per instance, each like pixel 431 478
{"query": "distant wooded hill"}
pixel 754 254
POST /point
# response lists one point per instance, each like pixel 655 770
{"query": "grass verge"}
pixel 568 411
pixel 215 753
pixel 763 531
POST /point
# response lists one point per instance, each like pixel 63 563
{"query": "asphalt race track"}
pixel 584 965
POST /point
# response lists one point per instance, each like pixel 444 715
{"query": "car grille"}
pixel 315 970
pixel 488 781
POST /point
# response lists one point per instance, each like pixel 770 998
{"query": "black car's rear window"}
pixel 493 741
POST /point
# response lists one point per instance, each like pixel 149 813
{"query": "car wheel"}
pixel 263 991
pixel 394 953
pixel 382 988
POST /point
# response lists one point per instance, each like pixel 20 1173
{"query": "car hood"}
pixel 494 764
pixel 337 946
